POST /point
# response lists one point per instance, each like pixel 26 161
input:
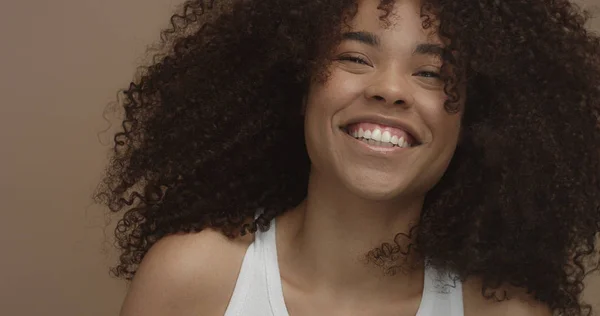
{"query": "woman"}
pixel 361 158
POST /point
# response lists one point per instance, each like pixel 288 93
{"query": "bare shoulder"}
pixel 519 304
pixel 187 274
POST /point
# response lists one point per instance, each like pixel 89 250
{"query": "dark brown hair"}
pixel 212 133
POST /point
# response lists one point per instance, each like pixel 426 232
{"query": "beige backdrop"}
pixel 61 62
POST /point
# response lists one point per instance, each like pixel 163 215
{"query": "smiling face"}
pixel 378 125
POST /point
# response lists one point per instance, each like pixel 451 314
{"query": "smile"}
pixel 377 135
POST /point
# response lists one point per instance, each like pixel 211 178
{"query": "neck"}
pixel 326 240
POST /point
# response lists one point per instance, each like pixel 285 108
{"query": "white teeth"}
pixel 376 135
pixel 379 138
pixel 401 142
pixel 385 137
pixel 376 143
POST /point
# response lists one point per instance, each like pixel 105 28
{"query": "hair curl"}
pixel 212 132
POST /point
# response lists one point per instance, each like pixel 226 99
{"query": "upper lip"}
pixel 387 121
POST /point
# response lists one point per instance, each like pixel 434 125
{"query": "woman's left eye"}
pixel 428 74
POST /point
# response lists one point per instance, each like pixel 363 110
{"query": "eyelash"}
pixel 354 59
pixel 430 74
pixel 358 60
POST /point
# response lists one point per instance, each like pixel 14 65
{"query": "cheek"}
pixel 444 128
pixel 318 124
pixel 440 122
pixel 337 92
pixel 446 133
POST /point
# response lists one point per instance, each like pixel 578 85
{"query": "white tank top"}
pixel 258 290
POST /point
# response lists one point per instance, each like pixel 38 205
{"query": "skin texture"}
pixel 390 81
pixel 503 191
pixel 354 188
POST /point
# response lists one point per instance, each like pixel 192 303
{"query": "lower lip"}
pixel 379 149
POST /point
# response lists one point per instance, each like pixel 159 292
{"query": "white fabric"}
pixel 258 290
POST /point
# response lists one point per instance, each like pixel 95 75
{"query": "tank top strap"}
pixel 266 244
pixel 442 294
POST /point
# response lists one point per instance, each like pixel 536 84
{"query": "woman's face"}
pixel 378 124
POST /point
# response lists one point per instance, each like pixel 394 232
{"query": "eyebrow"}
pixel 363 37
pixel 429 49
pixel 372 39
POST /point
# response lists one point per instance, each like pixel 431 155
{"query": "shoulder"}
pixel 187 274
pixel 519 304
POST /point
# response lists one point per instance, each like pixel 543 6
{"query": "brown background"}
pixel 62 62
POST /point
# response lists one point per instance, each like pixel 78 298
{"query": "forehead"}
pixel 405 23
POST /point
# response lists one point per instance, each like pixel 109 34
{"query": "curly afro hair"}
pixel 211 133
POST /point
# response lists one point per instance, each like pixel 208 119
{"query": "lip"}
pixel 386 121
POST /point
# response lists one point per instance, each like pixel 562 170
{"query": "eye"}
pixel 428 74
pixel 354 59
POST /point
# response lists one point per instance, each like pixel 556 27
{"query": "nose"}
pixel 390 87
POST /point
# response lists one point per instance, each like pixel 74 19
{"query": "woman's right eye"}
pixel 354 59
